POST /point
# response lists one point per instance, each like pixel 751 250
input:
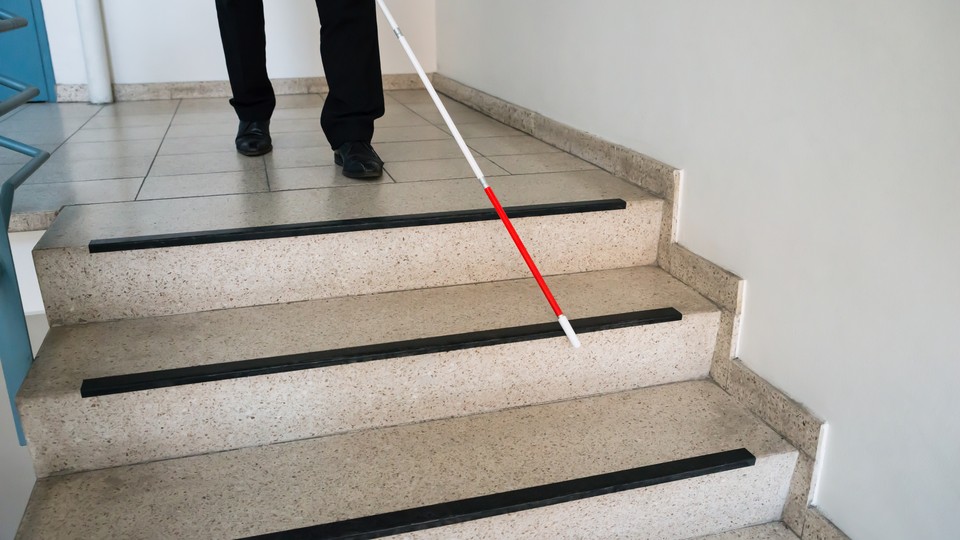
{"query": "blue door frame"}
pixel 35 35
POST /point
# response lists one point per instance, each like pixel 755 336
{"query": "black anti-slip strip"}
pixel 348 225
pixel 277 364
pixel 438 515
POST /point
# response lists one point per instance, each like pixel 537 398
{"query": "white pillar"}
pixel 99 81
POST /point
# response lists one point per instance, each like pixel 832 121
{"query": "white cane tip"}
pixel 568 330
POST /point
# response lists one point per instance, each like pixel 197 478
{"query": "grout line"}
pixel 157 153
pixel 11 114
pixel 369 185
pixel 64 141
pixel 495 176
pixel 266 172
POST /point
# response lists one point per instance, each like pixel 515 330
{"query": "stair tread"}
pixel 71 354
pixel 284 486
pixel 76 226
pixel 767 531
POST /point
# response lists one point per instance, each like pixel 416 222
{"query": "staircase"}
pixel 371 360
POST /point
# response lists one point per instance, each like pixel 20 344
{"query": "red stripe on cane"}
pixel 523 251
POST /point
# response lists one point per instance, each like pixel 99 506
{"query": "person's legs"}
pixel 351 63
pixel 244 47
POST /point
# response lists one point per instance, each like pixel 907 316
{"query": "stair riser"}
pixel 70 433
pixel 81 287
pixel 684 509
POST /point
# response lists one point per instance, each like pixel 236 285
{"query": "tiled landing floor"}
pixel 184 148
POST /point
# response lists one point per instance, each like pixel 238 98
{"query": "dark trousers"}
pixel 351 63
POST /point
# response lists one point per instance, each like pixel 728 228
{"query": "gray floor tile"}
pixel 10 115
pixel 203 130
pixel 409 133
pixel 508 146
pixel 106 150
pixel 39 135
pixel 20 124
pixel 204 163
pixel 297 113
pixel 62 110
pixel 542 163
pixel 204 105
pixel 410 96
pixel 283 158
pixel 69 170
pixel 418 150
pixel 198 185
pixel 45 117
pixel 439 169
pixel 9 157
pixel 314 177
pixel 286 125
pixel 399 116
pixel 197 145
pixel 300 101
pixel 299 139
pixel 489 128
pixel 140 107
pixel 119 134
pixel 51 197
pixel 216 117
pixel 128 120
pixel 429 107
pixel 7 170
pixel 468 116
pixel 39 139
pixel 396 108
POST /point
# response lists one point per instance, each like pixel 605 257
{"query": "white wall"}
pixel 16 471
pixel 821 143
pixel 16 468
pixel 179 40
pixel 63 35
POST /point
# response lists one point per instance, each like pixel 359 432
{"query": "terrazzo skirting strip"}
pixel 67 93
pixel 448 513
pixel 348 225
pixel 119 384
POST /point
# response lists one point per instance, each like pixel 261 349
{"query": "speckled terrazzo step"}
pixel 326 481
pixel 767 531
pixel 80 286
pixel 67 432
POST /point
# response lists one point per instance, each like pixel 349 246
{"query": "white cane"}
pixel 564 322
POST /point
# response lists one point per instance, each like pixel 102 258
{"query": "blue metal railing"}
pixel 15 352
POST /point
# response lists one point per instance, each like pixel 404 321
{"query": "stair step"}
pixel 767 531
pixel 495 475
pixel 102 262
pixel 242 377
pixel 219 236
pixel 118 384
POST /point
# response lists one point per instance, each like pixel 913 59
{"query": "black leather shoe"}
pixel 253 138
pixel 359 160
